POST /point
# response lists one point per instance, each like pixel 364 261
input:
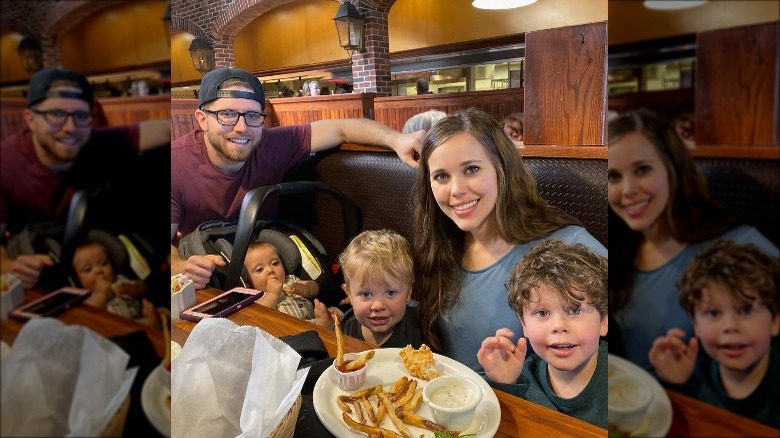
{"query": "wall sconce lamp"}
pixel 166 19
pixel 31 54
pixel 202 55
pixel 349 25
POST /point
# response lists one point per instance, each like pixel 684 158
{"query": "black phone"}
pixel 52 304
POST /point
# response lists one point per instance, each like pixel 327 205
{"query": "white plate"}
pixel 153 395
pixel 658 418
pixel 385 368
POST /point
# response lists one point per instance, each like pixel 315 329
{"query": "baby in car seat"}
pixel 267 273
pixel 116 294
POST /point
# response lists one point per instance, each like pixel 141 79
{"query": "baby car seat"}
pixel 128 252
pixel 301 253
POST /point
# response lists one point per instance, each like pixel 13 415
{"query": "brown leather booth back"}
pixel 381 186
pixel 750 188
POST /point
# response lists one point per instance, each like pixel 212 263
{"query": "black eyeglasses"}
pixel 230 117
pixel 58 117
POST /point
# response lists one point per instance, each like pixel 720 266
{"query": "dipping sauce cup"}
pixel 350 380
pixel 453 400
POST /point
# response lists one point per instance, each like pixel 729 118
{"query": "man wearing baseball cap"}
pixel 231 153
pixel 57 153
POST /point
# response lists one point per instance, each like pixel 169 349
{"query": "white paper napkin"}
pixel 232 380
pixel 61 380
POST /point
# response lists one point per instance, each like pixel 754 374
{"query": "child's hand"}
pixel 672 358
pixel 502 360
pixel 274 286
pixel 322 314
pixel 100 293
pixel 133 288
pixel 301 288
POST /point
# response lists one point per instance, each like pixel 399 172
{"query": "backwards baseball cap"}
pixel 42 80
pixel 209 86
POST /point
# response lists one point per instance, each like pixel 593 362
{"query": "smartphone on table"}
pixel 222 305
pixel 52 304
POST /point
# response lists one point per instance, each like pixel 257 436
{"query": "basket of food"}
pixel 116 424
pixel 286 428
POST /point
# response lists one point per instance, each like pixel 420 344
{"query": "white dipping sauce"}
pixel 450 396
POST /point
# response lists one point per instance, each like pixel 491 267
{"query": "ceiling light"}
pixel 673 5
pixel 501 4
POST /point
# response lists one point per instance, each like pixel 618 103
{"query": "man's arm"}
pixel 326 134
pixel 153 134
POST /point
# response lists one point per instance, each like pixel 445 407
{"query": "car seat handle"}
pixel 250 209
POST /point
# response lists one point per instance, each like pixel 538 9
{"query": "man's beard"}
pixel 63 155
pixel 222 145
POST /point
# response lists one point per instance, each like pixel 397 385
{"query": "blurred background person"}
pixel 513 126
pixel 423 121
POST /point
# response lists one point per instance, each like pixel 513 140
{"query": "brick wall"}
pixel 219 21
pixel 46 20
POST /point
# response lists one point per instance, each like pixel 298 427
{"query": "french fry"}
pixel 370 430
pixel 397 384
pixel 404 399
pixel 339 341
pixel 369 411
pixel 414 403
pixel 401 390
pixel 342 402
pixel 381 412
pixel 393 417
pixel 365 392
pixel 415 420
pixel 360 361
pixel 358 410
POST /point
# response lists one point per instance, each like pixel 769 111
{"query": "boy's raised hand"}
pixel 672 358
pixel 502 359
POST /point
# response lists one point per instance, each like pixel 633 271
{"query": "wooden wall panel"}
pixel 298 110
pixel 116 111
pixel 11 120
pixel 566 85
pixel 669 103
pixel 183 116
pixel 394 111
pixel 737 86
pixel 129 110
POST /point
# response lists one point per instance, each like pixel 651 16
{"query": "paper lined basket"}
pixel 286 428
pixel 116 424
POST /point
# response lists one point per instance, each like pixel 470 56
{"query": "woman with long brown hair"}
pixel 661 215
pixel 477 213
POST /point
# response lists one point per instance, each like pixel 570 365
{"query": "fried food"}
pixel 415 420
pixel 370 430
pixel 420 363
pixel 393 417
pixel 339 341
pixel 359 362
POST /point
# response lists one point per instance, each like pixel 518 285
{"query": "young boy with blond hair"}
pixel 559 292
pixel 378 275
pixel 731 293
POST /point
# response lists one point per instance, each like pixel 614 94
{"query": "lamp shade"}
pixel 349 25
pixel 501 4
pixel 31 54
pixel 673 5
pixel 202 55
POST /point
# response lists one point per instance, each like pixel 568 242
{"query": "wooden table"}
pixel 519 417
pixel 691 417
pixel 99 320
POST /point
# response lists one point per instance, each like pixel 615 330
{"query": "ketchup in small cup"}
pixel 350 380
